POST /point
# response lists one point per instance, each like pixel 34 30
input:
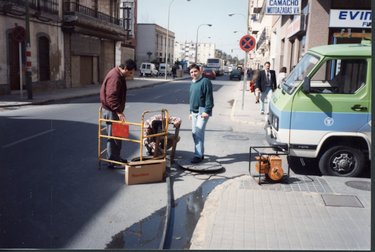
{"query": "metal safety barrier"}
pixel 102 127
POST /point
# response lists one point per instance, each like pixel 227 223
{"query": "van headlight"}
pixel 275 122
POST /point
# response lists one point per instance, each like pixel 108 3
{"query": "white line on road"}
pixel 157 97
pixel 27 138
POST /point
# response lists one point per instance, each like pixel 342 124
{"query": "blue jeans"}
pixel 113 146
pixel 266 94
pixel 198 128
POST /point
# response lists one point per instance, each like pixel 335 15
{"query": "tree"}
pixel 149 56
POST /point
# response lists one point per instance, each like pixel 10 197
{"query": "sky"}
pixel 187 16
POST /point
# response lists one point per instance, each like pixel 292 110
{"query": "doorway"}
pixel 14 61
pixel 43 58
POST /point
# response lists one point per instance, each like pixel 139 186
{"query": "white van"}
pixel 162 69
pixel 322 110
pixel 148 69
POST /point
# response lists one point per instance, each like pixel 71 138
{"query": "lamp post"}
pixel 167 42
pixel 196 42
pixel 28 71
pixel 245 61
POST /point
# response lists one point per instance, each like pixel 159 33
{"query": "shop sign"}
pixel 283 7
pixel 350 18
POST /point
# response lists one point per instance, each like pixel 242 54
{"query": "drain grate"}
pixel 341 200
pixel 236 137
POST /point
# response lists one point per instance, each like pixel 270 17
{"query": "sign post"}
pixel 28 71
pixel 247 43
pixel 19 35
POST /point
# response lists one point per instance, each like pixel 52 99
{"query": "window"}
pixel 299 72
pixel 340 76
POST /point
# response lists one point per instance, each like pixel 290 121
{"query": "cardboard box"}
pixel 145 171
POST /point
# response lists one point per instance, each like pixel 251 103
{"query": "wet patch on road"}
pixel 147 233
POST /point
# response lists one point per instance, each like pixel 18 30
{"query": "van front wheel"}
pixel 343 161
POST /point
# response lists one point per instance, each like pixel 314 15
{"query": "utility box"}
pixel 179 72
pixel 147 171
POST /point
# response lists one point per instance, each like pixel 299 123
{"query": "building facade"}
pixel 186 52
pixel 152 42
pixel 63 44
pixel 97 36
pixel 205 51
pixel 37 25
pixel 283 39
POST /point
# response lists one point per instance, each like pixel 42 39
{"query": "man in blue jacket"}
pixel 201 103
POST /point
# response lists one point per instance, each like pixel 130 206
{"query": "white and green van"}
pixel 323 109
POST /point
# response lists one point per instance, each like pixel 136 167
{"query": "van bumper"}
pixel 271 140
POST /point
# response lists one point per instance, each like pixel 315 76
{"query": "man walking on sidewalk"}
pixel 113 99
pixel 265 84
pixel 201 103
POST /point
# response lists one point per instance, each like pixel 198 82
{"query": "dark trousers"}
pixel 113 146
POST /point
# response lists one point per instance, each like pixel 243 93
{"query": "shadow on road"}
pixel 50 184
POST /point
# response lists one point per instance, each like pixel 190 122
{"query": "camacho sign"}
pixel 283 7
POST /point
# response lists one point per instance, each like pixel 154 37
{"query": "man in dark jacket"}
pixel 113 99
pixel 266 83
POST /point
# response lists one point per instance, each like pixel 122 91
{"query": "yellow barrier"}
pixel 139 140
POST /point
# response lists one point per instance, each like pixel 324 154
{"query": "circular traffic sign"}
pixel 19 34
pixel 247 43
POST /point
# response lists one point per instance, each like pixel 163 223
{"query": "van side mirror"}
pixel 306 85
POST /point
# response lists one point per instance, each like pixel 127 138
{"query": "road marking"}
pixel 27 138
pixel 157 97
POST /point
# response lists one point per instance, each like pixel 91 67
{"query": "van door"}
pixel 338 101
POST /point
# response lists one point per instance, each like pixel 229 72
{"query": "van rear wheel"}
pixel 343 161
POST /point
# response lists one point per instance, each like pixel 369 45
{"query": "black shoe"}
pixel 117 166
pixel 196 160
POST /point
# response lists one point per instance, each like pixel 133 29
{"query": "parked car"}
pixel 148 69
pixel 209 73
pixel 162 69
pixel 235 74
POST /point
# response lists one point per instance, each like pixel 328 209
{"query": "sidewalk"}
pixel 42 97
pixel 308 213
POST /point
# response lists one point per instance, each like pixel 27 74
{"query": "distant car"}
pixel 235 74
pixel 209 73
pixel 148 69
pixel 162 69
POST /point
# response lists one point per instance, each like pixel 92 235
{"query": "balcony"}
pixel 43 10
pixel 80 18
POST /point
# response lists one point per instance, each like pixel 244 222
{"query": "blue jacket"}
pixel 201 95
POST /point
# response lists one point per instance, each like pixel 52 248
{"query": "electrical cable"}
pixel 168 212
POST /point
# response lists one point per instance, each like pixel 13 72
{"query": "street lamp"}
pixel 196 42
pixel 245 62
pixel 167 42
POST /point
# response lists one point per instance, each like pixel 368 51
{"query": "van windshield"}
pixel 299 72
